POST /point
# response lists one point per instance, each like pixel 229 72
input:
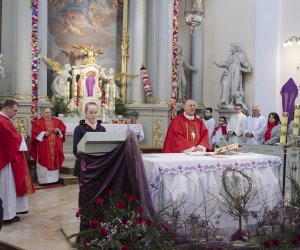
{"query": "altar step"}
pixel 66 171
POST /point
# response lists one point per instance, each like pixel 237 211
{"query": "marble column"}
pixel 152 44
pixel 23 50
pixel 137 31
pixel 43 31
pixel 164 62
pixel 197 62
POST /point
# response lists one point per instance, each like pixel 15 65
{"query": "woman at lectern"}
pixel 90 124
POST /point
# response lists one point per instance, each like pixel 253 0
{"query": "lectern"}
pixel 100 142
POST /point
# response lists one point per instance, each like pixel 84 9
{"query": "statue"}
pixel 89 52
pixel 231 81
pixel 1 65
pixel 59 85
pixel 182 64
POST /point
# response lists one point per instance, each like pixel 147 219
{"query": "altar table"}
pixel 184 181
pixel 137 128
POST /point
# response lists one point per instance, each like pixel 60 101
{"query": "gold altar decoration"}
pixel 122 75
pixel 157 134
pixel 20 125
pixel 54 65
pixel 89 52
pixel 125 49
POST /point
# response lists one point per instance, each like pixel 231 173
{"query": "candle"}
pixel 296 120
pixel 283 130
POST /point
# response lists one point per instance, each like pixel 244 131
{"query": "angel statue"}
pixel 59 86
pixel 89 52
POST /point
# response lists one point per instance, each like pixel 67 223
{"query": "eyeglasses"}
pixel 237 108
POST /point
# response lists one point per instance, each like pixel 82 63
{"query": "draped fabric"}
pixel 121 170
pixel 289 93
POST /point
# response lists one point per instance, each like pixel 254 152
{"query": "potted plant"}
pixel 60 106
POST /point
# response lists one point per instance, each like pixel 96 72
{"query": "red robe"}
pixel 179 136
pixel 49 152
pixel 9 149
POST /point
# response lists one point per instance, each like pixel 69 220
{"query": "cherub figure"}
pixel 59 85
pixel 89 52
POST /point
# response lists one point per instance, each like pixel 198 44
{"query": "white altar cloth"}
pixel 184 180
pixel 136 128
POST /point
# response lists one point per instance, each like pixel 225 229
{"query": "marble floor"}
pixel 50 211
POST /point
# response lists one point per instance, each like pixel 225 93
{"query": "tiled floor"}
pixel 40 229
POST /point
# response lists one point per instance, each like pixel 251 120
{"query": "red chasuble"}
pixel 9 149
pixel 183 134
pixel 49 152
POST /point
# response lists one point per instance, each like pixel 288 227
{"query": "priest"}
pixel 46 146
pixel 15 180
pixel 186 132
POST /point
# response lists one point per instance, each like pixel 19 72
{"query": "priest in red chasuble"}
pixel 186 132
pixel 46 146
pixel 15 180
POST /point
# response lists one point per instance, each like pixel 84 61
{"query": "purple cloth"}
pixel 90 82
pixel 289 93
pixel 121 170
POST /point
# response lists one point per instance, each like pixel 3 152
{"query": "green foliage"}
pixel 120 110
pixel 118 222
pixel 60 106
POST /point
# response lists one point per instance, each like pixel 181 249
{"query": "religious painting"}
pixel 96 23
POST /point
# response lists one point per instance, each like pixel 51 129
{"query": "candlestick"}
pixel 283 130
pixel 296 120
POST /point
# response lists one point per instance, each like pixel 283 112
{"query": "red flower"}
pixel 276 242
pixel 138 237
pixel 127 193
pixel 294 241
pixel 131 198
pixel 94 224
pixel 148 221
pixel 100 200
pixel 86 243
pixel 139 220
pixel 124 221
pixel 103 232
pixel 165 227
pixel 139 209
pixel 110 192
pixel 77 214
pixel 120 204
pixel 267 243
pixel 125 248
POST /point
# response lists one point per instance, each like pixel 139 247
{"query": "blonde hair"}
pixel 89 104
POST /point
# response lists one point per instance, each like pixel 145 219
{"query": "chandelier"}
pixel 291 41
pixel 195 16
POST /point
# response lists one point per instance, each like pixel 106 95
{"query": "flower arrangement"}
pixel 174 61
pixel 146 82
pixel 117 222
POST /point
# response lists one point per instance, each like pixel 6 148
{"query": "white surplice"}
pixel 45 176
pixel 235 125
pixel 11 203
pixel 254 125
pixel 210 125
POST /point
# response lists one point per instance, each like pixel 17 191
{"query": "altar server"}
pixel 253 126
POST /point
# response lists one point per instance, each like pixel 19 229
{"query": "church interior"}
pixel 139 61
